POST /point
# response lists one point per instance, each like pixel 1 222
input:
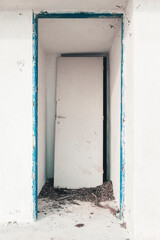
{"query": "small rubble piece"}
pixel 11 223
pixel 123 225
pixel 98 194
pixel 79 225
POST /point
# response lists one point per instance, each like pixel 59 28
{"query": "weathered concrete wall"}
pixel 146 119
pixel 70 5
pixel 141 77
pixel 115 109
pixel 42 115
pixel 16 116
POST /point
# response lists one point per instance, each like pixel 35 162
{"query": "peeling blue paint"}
pixel 75 15
pixel 79 15
pixel 34 113
pixel 122 134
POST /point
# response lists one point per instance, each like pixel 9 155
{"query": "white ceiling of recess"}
pixel 63 5
pixel 77 35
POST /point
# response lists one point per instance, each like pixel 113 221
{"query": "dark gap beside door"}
pixel 104 121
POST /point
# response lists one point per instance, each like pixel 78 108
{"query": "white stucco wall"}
pixel 51 111
pixel 146 119
pixel 16 116
pixel 42 123
pixel 115 109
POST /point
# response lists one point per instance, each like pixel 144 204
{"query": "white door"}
pixel 79 122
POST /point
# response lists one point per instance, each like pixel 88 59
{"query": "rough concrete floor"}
pixel 59 224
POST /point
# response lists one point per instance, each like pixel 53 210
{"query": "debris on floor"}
pixel 79 225
pixel 98 194
pixel 67 214
pixel 93 222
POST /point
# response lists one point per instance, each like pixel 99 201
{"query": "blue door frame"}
pixel 75 15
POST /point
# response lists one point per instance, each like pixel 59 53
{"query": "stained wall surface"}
pixel 146 120
pixel 115 112
pixel 42 116
pixel 16 116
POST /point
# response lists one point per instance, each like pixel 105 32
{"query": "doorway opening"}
pixel 62 36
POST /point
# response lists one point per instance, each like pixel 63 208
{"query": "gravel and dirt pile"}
pixel 98 194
